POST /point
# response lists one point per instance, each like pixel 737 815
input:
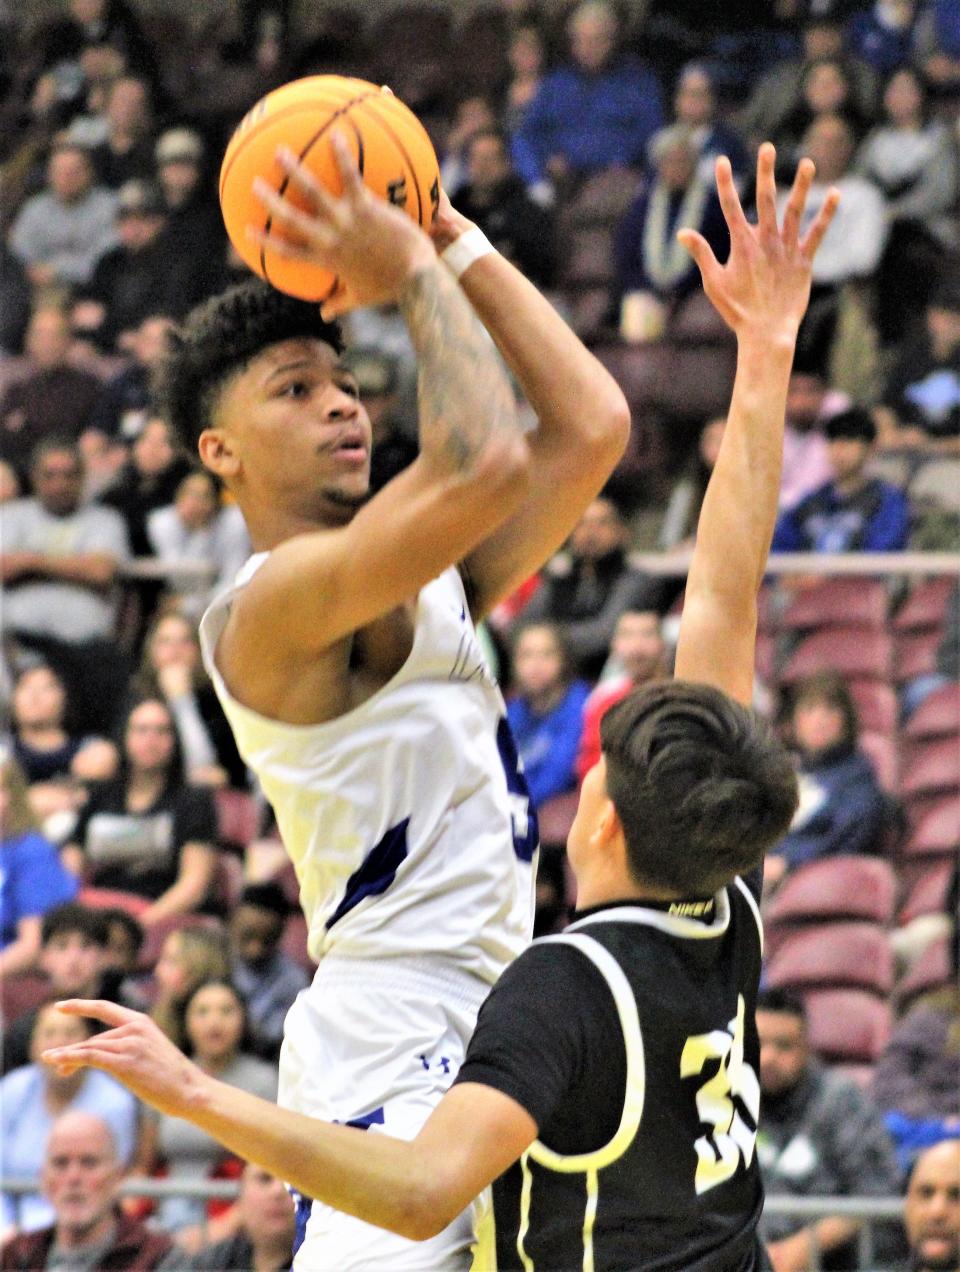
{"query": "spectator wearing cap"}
pixel 495 198
pixel 597 111
pixel 266 976
pixel 194 223
pixel 61 233
pixel 390 401
pixel 853 512
pixel 143 275
pixel 921 399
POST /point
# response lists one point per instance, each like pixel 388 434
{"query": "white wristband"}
pixel 462 252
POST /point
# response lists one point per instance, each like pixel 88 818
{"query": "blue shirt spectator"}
pixel 883 34
pixel 853 512
pixel 599 111
pixel 32 880
pixel 841 810
pixel 30 1100
pixel 546 716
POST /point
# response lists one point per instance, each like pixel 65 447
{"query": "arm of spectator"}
pixel 23 951
pixel 95 570
pixel 197 864
pixel 198 749
pixel 890 525
pixel 796 1253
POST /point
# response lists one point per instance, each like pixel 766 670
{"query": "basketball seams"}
pixel 403 152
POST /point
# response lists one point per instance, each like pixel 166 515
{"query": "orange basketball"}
pixel 394 154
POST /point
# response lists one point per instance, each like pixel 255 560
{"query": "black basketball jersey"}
pixel 677 1188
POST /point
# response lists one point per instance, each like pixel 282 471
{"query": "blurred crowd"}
pixel 139 863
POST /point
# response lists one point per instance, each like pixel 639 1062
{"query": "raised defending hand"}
pixel 765 285
pixel 134 1051
pixel 373 246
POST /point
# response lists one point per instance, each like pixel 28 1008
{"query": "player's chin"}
pixel 350 491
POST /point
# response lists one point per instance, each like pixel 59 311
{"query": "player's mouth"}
pixel 352 448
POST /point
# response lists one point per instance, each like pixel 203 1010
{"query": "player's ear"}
pixel 217 453
pixel 607 829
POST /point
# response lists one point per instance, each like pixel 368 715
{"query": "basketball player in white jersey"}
pixel 346 658
pixel 709 792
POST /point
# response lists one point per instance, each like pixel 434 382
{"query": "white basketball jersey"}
pixel 407 819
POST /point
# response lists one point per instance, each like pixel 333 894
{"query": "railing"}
pixel 674 564
pixel 868 1210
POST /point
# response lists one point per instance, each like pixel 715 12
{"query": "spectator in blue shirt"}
pixel 32 880
pixel 546 715
pixel 842 809
pixel 883 34
pixel 598 111
pixel 854 512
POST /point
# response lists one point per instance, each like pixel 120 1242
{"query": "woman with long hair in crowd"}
pixel 147 832
pixel 188 957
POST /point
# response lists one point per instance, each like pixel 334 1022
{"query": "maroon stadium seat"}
pixel 840 602
pixel 931 971
pixel 915 654
pixel 857 955
pixel 925 607
pixel 929 893
pixel 937 716
pixel 848 1026
pixel 877 706
pixel 933 768
pixel 936 832
pixel 238 817
pixel 850 650
pixel 836 888
pixel 21 993
pixel 555 817
pixel 881 751
pixel 227 879
pixel 697 380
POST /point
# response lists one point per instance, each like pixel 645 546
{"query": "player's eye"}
pixel 296 389
pixel 350 387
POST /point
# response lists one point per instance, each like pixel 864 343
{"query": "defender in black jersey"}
pixel 610 1093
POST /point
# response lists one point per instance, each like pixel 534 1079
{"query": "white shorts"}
pixel 377 1046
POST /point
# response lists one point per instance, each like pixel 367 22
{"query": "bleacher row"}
pixel 830 928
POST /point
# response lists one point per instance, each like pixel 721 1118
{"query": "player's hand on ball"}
pixel 134 1051
pixel 765 285
pixel 448 224
pixel 371 245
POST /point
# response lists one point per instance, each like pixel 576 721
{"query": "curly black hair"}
pixel 220 337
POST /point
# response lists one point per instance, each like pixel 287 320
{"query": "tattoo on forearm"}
pixel 463 391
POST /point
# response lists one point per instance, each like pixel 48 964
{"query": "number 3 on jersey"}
pixel 732 1137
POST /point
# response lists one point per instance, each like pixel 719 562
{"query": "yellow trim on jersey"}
pixel 589 1218
pixel 484 1249
pixel 525 1191
pixel 635 1090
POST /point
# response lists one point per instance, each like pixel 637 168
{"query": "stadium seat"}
pixel 854 955
pixel 936 832
pixel 931 971
pixel 697 380
pixel 933 768
pixel 21 993
pixel 850 650
pixel 847 1026
pixel 915 654
pixel 555 817
pixel 588 258
pixel 836 888
pixel 294 942
pixel 929 894
pixel 937 716
pixel 636 368
pixel 877 706
pixel 839 602
pixel 881 751
pixel 158 932
pixel 697 322
pixel 925 607
pixel 239 817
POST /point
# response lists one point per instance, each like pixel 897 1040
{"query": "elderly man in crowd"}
pixel 81 1177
